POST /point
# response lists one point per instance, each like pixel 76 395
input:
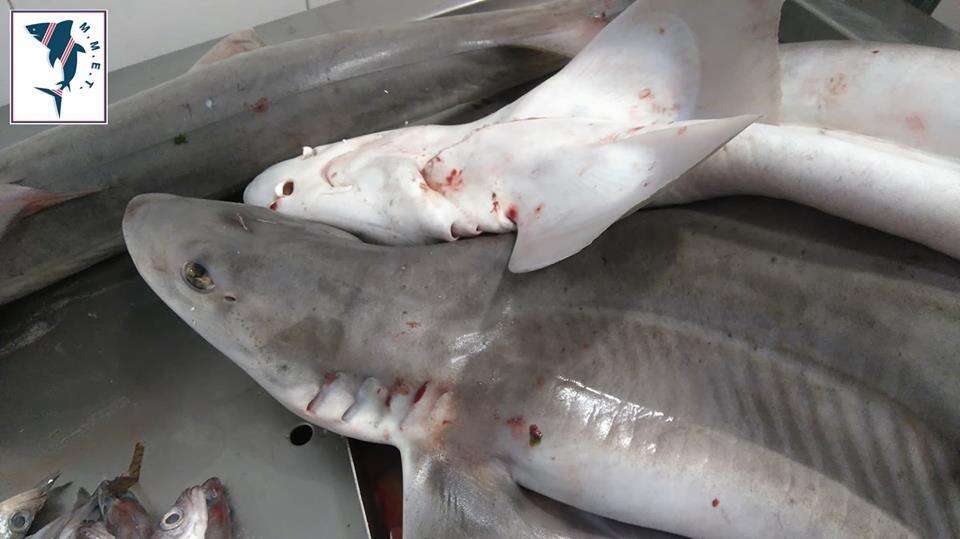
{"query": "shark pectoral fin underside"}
pixel 592 187
pixel 52 57
pixel 664 61
pixel 236 43
pixel 445 496
pixel 18 201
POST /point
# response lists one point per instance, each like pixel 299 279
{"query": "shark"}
pixel 656 92
pixel 710 373
pixel 865 131
pixel 221 124
pixel 58 40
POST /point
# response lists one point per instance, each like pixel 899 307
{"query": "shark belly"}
pixel 670 425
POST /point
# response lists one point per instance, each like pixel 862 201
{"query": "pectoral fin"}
pixel 665 61
pixel 444 496
pixel 236 43
pixel 592 187
pixel 18 201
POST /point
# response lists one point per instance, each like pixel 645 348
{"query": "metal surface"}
pixel 94 364
pixel 891 21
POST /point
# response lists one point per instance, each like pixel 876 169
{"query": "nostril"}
pixel 231 299
pixel 195 275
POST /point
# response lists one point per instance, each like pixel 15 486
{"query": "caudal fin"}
pixel 18 201
pixel 56 93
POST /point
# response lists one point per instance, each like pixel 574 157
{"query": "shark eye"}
pixel 19 522
pixel 195 275
pixel 172 519
pixel 284 189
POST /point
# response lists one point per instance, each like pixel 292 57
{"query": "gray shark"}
pixel 209 131
pixel 711 375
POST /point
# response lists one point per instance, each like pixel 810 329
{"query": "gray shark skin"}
pixel 707 375
pixel 208 132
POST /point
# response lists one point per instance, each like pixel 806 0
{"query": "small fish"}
pixel 121 511
pixel 96 530
pixel 188 518
pixel 17 513
pixel 219 518
pixel 625 118
pixel 56 37
pixel 67 526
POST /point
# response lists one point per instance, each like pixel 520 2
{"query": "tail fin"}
pixel 57 95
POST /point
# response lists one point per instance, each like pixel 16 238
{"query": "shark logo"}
pixel 58 64
pixel 57 38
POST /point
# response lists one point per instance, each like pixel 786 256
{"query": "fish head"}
pixel 234 274
pixel 370 188
pixel 17 513
pixel 218 507
pixel 187 517
pixel 38 30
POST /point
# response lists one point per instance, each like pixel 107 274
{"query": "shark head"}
pixel 292 301
pixel 202 262
pixel 38 30
pixel 366 186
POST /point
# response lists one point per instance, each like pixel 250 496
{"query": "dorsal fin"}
pixel 665 61
pixel 236 43
pixel 18 201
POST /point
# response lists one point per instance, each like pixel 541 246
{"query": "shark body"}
pixel 649 379
pixel 241 114
pixel 864 131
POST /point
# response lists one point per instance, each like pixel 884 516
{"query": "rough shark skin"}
pixel 707 375
pixel 208 132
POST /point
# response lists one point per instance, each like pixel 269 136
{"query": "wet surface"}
pixel 96 363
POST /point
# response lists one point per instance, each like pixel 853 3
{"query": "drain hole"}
pixel 301 434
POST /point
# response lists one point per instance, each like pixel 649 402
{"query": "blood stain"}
pixel 512 213
pixel 535 435
pixel 715 502
pixel 420 392
pixel 260 106
pixel 645 93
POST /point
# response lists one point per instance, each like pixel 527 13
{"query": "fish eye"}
pixel 19 522
pixel 195 275
pixel 172 519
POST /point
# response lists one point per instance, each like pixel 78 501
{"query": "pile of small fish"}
pixel 114 511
